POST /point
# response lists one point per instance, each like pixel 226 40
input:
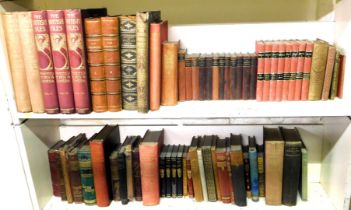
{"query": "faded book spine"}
pixel 195 77
pixel 335 77
pixel 246 73
pixel 202 77
pixel 74 175
pixel 169 95
pixel 306 71
pixel 188 78
pixel 215 78
pixel 54 158
pixel 129 165
pixel 136 175
pixel 254 173
pixel 328 73
pixel 202 174
pixel 261 171
pixel 115 182
pixel 221 64
pixel 287 67
pixel 253 77
pixel 228 80
pixel 66 179
pixel 210 179
pixel 181 75
pixel 195 176
pixel 189 177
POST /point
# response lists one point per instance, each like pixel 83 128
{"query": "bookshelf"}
pixel 325 124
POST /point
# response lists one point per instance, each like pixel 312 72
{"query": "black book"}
pixel 208 86
pixel 162 169
pixel 136 169
pixel 180 171
pixel 174 167
pixel 202 77
pixel 253 76
pixel 122 171
pixel 169 171
pixel 221 64
pixel 246 159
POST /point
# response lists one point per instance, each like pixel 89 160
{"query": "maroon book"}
pixel 60 58
pixel 77 61
pixel 54 159
pixel 46 67
pixel 136 174
pixel 246 77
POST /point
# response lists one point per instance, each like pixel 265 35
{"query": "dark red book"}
pixel 189 177
pixel 246 77
pixel 54 162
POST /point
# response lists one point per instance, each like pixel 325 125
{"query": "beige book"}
pixel 328 72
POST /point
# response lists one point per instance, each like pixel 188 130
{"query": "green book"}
pixel 209 175
pixel 303 185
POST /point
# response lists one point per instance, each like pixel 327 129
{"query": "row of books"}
pixel 298 70
pixel 101 169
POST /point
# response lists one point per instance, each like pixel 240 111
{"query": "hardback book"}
pixel 188 78
pixel 300 69
pixel 261 171
pixel 274 156
pixel 260 69
pixel 202 77
pixel 184 171
pixel 340 88
pixel 181 75
pixel 319 61
pixel 222 168
pixel 253 76
pixel 274 71
pixel 129 147
pixel 246 73
pixel 306 70
pixel 173 170
pixel 291 165
pixel 54 159
pixel 195 76
pixel 195 171
pixel 238 171
pixel 214 165
pixel 208 68
pixel 221 64
pixel 143 20
pixel 162 168
pixel 169 87
pixel 335 77
pixel 293 69
pixel 158 34
pixel 101 148
pixel 245 149
pixel 208 166
pixel 115 179
pixel 128 61
pixel 280 71
pixel 215 77
pixel 202 168
pixel 77 60
pixel 253 168
pixel 328 72
pixel 189 176
pixel 267 69
pixel 228 159
pixel 93 39
pixel 122 171
pixel 228 77
pixel 287 73
pixel 238 79
pixel 168 168
pixel 149 150
pixel 30 59
pixel 179 188
pixel 57 31
pixel 136 171
pixel 303 181
pixel 112 63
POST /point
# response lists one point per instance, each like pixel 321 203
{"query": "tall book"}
pixel 158 34
pixel 261 171
pixel 274 71
pixel 208 166
pixel 202 168
pixel 300 69
pixel 173 170
pixel 168 170
pixel 188 78
pixel 184 171
pixel 306 71
pixel 129 147
pixel 215 77
pixel 149 150
pixel 162 168
pixel 303 183
pixel 195 76
pixel 138 195
pixel 181 75
pixel 77 60
pixel 115 179
pixel 54 158
pixel 122 172
pixel 222 168
pixel 57 31
pixel 31 63
pixel 274 156
pixel 195 172
pixel 214 165
pixel 328 72
pixel 128 61
pixel 253 168
pixel 292 165
pixel 101 148
pixel 335 77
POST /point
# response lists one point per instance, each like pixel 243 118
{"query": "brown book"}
pixel 17 65
pixel 253 76
pixel 96 64
pixel 115 180
pixel 202 77
pixel 221 64
pixel 30 58
pixel 227 77
pixel 215 77
pixel 208 68
pixel 214 165
pixel 136 171
pixel 129 164
pixel 184 171
pixel 181 75
pixel 335 77
pixel 169 86
pixel 188 78
pixel 328 72
pixel 340 88
pixel 112 64
pixel 195 76
pixel 189 176
pixel 158 34
pixel 319 61
pixel 246 73
pixel 54 159
pixel 224 180
pixel 195 172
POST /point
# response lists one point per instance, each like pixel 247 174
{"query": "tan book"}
pixel 195 172
pixel 328 72
pixel 335 78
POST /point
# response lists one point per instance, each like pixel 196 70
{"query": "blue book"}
pixel 253 169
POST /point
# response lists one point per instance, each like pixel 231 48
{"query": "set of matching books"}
pixel 100 169
pixel 298 70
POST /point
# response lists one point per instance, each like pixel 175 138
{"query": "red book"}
pixel 293 70
pixel 46 67
pixel 306 71
pixel 341 77
pixel 77 61
pixel 280 79
pixel 267 70
pixel 189 177
pixel 274 71
pixel 55 170
pixel 287 65
pixel 300 70
pixel 61 62
pixel 260 69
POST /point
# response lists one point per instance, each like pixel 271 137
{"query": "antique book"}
pixel 253 76
pixel 122 172
pixel 280 71
pixel 168 170
pixel 195 76
pixel 128 61
pixel 215 77
pixel 261 171
pixel 208 69
pixel 274 71
pixel 30 59
pixel 57 31
pixel 202 77
pixel 158 34
pixel 16 60
pixel 300 69
pixel 184 171
pixel 228 160
pixel 319 61
pixel 221 64
pixel 93 38
pixel 77 60
pixel 267 69
pixel 287 67
pixel 169 85
pixel 291 165
pixel 179 171
pixel 54 158
pixel 162 169
pixel 253 168
pixel 115 180
pixel 173 172
pixel 303 181
pixel 237 87
pixel 340 91
pixel 260 69
pixel 237 168
pixel 195 171
pixel 129 147
pixel 306 71
pixel 274 156
pixel 208 166
pixel 328 72
pixel 245 149
pixel 228 80
pixel 136 171
pixel 222 169
pixel 112 63
pixel 189 176
pixel 293 70
pixel 101 148
pixel 149 150
pixel 181 75
pixel 214 165
pixel 246 73
pixel 143 19
pixel 335 78
pixel 188 78
pixel 202 168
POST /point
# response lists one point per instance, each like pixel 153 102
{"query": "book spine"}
pixel 30 59
pixel 112 64
pixel 129 165
pixel 293 70
pixel 195 78
pixel 149 174
pixel 254 174
pixel 221 64
pixel 188 79
pixel 163 182
pixel 202 78
pixel 202 174
pixel 234 69
pixel 287 67
pixel 122 171
pixel 181 76
pixel 274 71
pixel 261 173
pixel 66 178
pixel 195 175
pixel 227 78
pixel 328 73
pixel 299 71
pixel 74 175
pixel 237 79
pixel 253 77
pixel 215 172
pixel 189 177
pixel 87 179
pixel 184 177
pixel 215 78
pixel 247 173
pixel 246 77
pixel 57 31
pixel 306 71
pixel 137 176
pixel 223 177
pixel 62 180
pixel 179 177
pixel 54 172
pixel 280 71
pixel 230 182
pixel 267 70
pixel 238 177
pixel 168 168
pixel 260 69
pixel 334 83
pixel 210 179
pixel 128 62
pixel 303 186
pixel 173 178
pixel 169 95
pixel 340 88
pixel 209 79
pixel 115 182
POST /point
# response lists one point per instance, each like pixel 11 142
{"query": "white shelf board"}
pixel 318 200
pixel 219 109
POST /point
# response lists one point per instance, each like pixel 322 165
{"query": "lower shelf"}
pixel 318 199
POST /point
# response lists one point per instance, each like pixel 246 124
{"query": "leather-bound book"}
pixel 267 69
pixel 237 168
pixel 188 78
pixel 253 76
pixel 300 70
pixel 184 171
pixel 280 71
pixel 202 77
pixel 214 165
pixel 287 67
pixel 274 71
pixel 222 168
pixel 112 64
pixel 181 75
pixel 303 182
pixel 195 76
pixel 245 149
pixel 292 165
pixel 136 171
pixel 253 168
pixel 215 77
pixel 230 183
pixel 319 61
pixel 335 77
pixel 228 77
pixel 293 69
pixel 31 63
pixel 122 172
pixel 143 19
pixel 221 64
pixel 173 170
pixel 101 148
pixel 17 65
pixel 93 38
pixel 195 172
pixel 260 69
pixel 340 91
pixel 169 87
pixel 328 72
pixel 189 176
pixel 158 34
pixel 208 86
pixel 127 26
pixel 115 180
pixel 306 71
pixel 135 140
pixel 57 30
pixel 246 73
pixel 260 168
pixel 77 60
pixel 274 156
pixel 179 172
pixel 202 168
pixel 209 175
pixel 54 158
pixel 162 168
pixel 149 150
pixel 168 169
